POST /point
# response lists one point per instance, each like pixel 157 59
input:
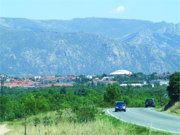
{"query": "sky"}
pixel 152 10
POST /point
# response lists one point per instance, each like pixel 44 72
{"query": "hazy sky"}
pixel 153 10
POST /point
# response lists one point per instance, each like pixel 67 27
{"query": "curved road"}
pixel 148 117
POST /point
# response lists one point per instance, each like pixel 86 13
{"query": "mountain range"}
pixel 87 46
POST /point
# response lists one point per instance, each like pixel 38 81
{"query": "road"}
pixel 148 117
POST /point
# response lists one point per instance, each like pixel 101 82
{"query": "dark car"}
pixel 150 102
pixel 120 105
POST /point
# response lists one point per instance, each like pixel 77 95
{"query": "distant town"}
pixel 122 77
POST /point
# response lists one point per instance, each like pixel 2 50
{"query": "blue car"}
pixel 120 106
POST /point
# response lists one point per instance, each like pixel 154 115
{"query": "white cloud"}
pixel 119 9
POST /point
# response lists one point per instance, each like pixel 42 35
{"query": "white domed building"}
pixel 121 72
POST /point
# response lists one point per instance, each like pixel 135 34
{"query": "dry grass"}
pixel 175 109
pixel 103 125
pixel 91 128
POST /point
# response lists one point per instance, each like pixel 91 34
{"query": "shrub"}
pixel 86 113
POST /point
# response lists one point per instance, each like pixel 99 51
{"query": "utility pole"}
pixel 2 79
pixel 161 101
pixel 25 125
pixel 2 86
pixel 160 95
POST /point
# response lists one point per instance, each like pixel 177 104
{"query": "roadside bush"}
pixel 86 113
pixel 36 121
pixel 47 121
pixel 126 100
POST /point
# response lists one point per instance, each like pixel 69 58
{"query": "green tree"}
pixel 29 104
pixel 174 87
pixel 86 113
pixel 112 93
pixel 63 90
pixel 3 106
pixel 42 104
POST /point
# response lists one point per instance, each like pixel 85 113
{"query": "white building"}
pixel 89 76
pixel 121 72
pixel 134 85
pixel 164 82
pixel 37 77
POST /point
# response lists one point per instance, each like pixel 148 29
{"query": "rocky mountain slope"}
pixel 87 46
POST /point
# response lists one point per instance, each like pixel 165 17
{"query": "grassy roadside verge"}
pixel 102 125
pixel 175 109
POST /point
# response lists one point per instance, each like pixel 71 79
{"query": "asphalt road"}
pixel 148 117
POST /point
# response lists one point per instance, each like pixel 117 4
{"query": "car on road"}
pixel 120 106
pixel 150 102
